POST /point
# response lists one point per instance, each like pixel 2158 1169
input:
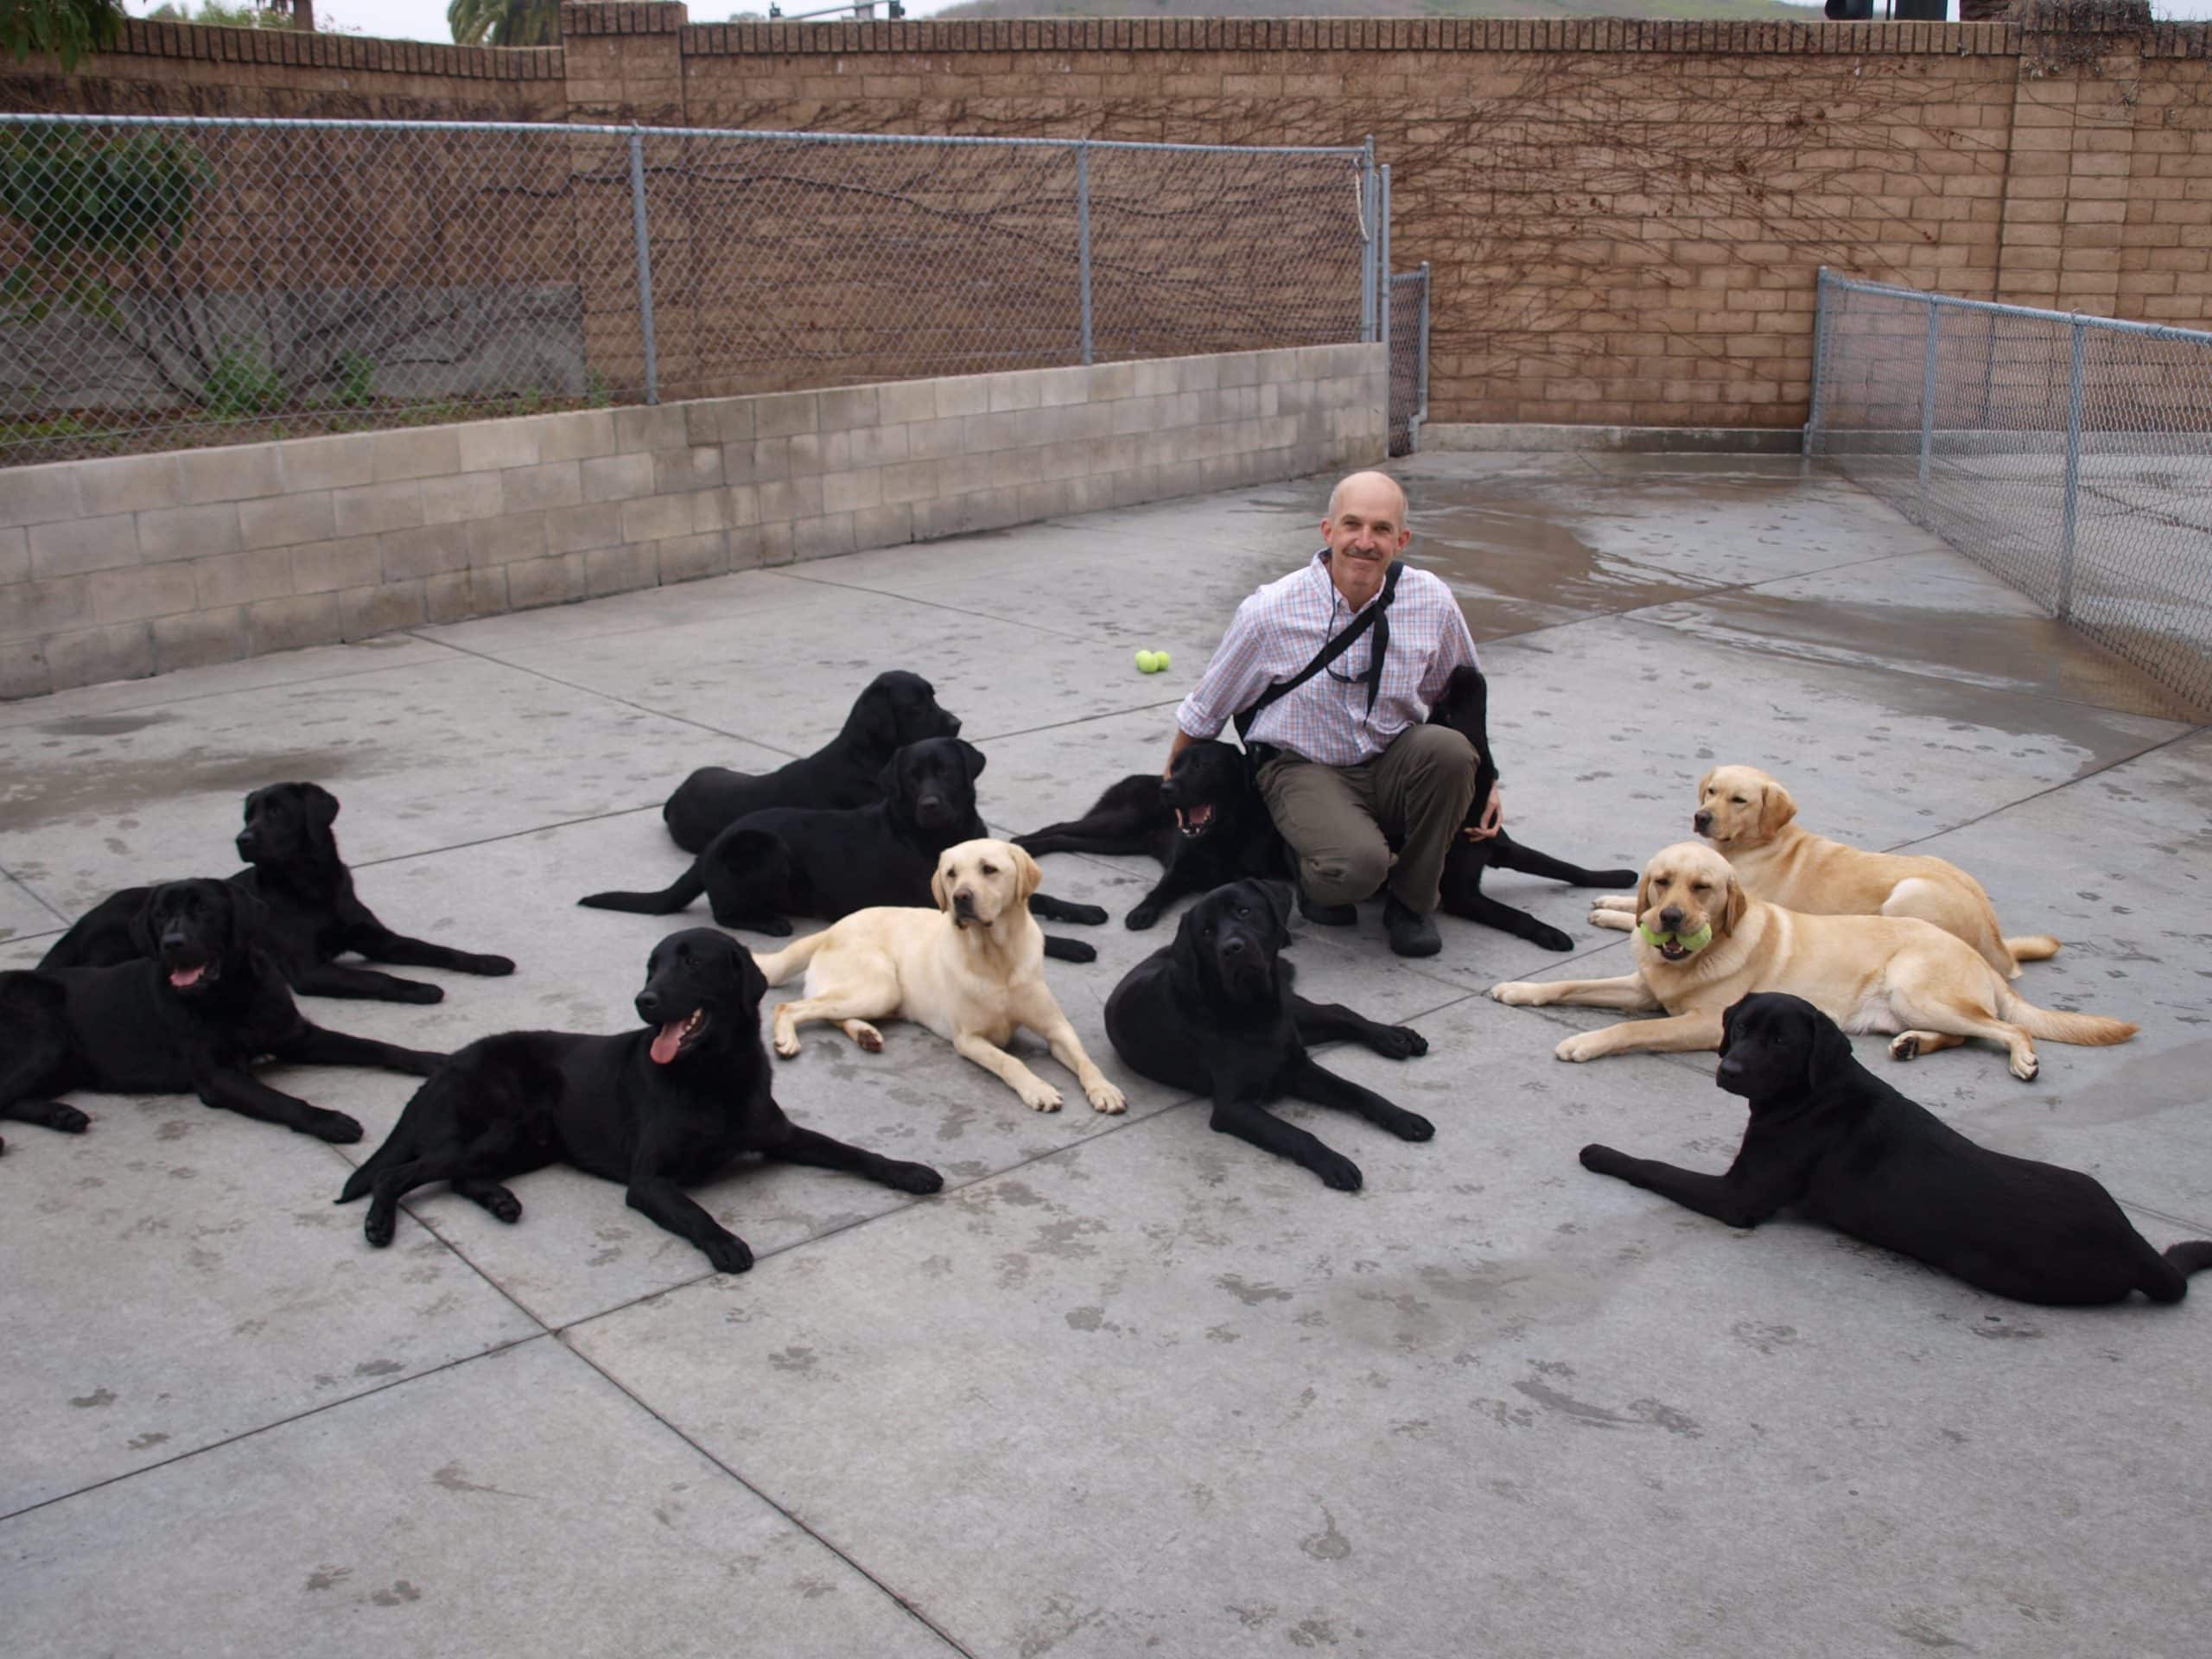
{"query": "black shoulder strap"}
pixel 1335 648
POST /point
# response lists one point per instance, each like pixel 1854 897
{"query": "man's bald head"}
pixel 1373 490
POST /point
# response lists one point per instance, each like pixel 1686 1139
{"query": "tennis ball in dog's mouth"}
pixel 1685 944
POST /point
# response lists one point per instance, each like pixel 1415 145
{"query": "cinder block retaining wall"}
pixel 111 569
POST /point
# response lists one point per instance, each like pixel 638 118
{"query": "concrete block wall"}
pixel 111 569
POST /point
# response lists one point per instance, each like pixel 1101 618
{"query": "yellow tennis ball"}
pixel 1145 664
pixel 1158 660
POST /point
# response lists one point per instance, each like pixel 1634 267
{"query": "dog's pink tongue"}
pixel 184 977
pixel 669 1038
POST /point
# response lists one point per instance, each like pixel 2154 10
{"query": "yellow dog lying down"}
pixel 1867 973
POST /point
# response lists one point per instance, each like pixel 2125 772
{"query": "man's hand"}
pixel 1492 820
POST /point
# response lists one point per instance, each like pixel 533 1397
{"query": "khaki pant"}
pixel 1341 820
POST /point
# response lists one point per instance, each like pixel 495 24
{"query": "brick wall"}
pixel 115 568
pixel 1623 220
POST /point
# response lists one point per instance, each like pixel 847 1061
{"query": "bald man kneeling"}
pixel 1329 675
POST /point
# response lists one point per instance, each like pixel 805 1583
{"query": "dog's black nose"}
pixel 952 725
pixel 964 903
pixel 1703 821
pixel 1233 947
pixel 648 1008
pixel 1670 918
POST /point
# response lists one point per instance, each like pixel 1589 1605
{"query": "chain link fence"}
pixel 1408 337
pixel 167 282
pixel 2071 455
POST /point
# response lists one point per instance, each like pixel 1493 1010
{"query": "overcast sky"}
pixel 425 20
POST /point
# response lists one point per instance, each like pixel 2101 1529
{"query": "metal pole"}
pixel 1366 239
pixel 1821 292
pixel 2073 473
pixel 645 263
pixel 1083 236
pixel 1421 414
pixel 1383 271
pixel 1927 405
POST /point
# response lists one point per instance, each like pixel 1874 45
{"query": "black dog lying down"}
pixel 1830 1136
pixel 658 1110
pixel 1213 1012
pixel 1464 707
pixel 894 709
pixel 804 862
pixel 188 1014
pixel 307 915
pixel 1204 822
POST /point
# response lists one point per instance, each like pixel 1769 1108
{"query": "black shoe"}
pixel 1410 934
pixel 1326 915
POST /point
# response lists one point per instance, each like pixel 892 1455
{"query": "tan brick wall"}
pixel 114 568
pixel 1623 220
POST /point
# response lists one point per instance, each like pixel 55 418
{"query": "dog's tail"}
pixel 398 1148
pixel 2033 947
pixel 2165 1274
pixel 780 965
pixel 670 899
pixel 2090 1030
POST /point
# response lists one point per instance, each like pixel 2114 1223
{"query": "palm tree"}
pixel 505 22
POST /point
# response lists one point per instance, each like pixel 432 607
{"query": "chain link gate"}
pixel 2070 456
pixel 1408 359
pixel 174 281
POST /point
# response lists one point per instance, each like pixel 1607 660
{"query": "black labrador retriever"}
pixel 189 1013
pixel 307 912
pixel 1204 822
pixel 1464 707
pixel 1213 1013
pixel 894 709
pixel 658 1110
pixel 1829 1136
pixel 800 862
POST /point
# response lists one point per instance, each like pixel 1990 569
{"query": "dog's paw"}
pixel 1547 937
pixel 1614 878
pixel 729 1254
pixel 67 1119
pixel 334 1127
pixel 1411 1125
pixel 420 1062
pixel 1905 1047
pixel 1105 1097
pixel 1621 921
pixel 1041 1098
pixel 912 1177
pixel 776 927
pixel 380 1226
pixel 503 1205
pixel 1604 1161
pixel 1337 1171
pixel 1141 918
pixel 492 967
pixel 1520 993
pixel 2025 1066
pixel 786 1043
pixel 1583 1045
pixel 1077 950
pixel 867 1036
pixel 414 990
pixel 1085 915
pixel 1399 1043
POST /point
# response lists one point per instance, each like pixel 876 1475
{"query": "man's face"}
pixel 1366 531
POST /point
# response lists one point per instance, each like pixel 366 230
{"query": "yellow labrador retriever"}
pixel 1751 819
pixel 971 971
pixel 1702 942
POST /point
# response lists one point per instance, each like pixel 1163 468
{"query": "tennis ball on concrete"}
pixel 1145 665
pixel 1159 661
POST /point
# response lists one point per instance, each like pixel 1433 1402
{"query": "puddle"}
pixel 100 788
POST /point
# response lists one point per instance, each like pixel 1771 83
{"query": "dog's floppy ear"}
pixel 1185 969
pixel 888 778
pixel 1827 1051
pixel 1776 809
pixel 971 756
pixel 1704 783
pixel 1644 891
pixel 1728 1023
pixel 142 927
pixel 1732 914
pixel 939 893
pixel 1028 875
pixel 321 807
pixel 246 915
pixel 1279 896
pixel 752 983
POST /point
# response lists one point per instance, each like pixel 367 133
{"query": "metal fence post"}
pixel 645 263
pixel 2073 475
pixel 1383 276
pixel 1928 406
pixel 1821 291
pixel 1420 409
pixel 1083 236
pixel 1367 240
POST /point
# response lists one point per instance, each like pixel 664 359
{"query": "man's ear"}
pixel 1028 875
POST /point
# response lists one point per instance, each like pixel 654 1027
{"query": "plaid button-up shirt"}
pixel 1283 626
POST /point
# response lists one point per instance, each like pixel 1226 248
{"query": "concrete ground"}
pixel 1127 1386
